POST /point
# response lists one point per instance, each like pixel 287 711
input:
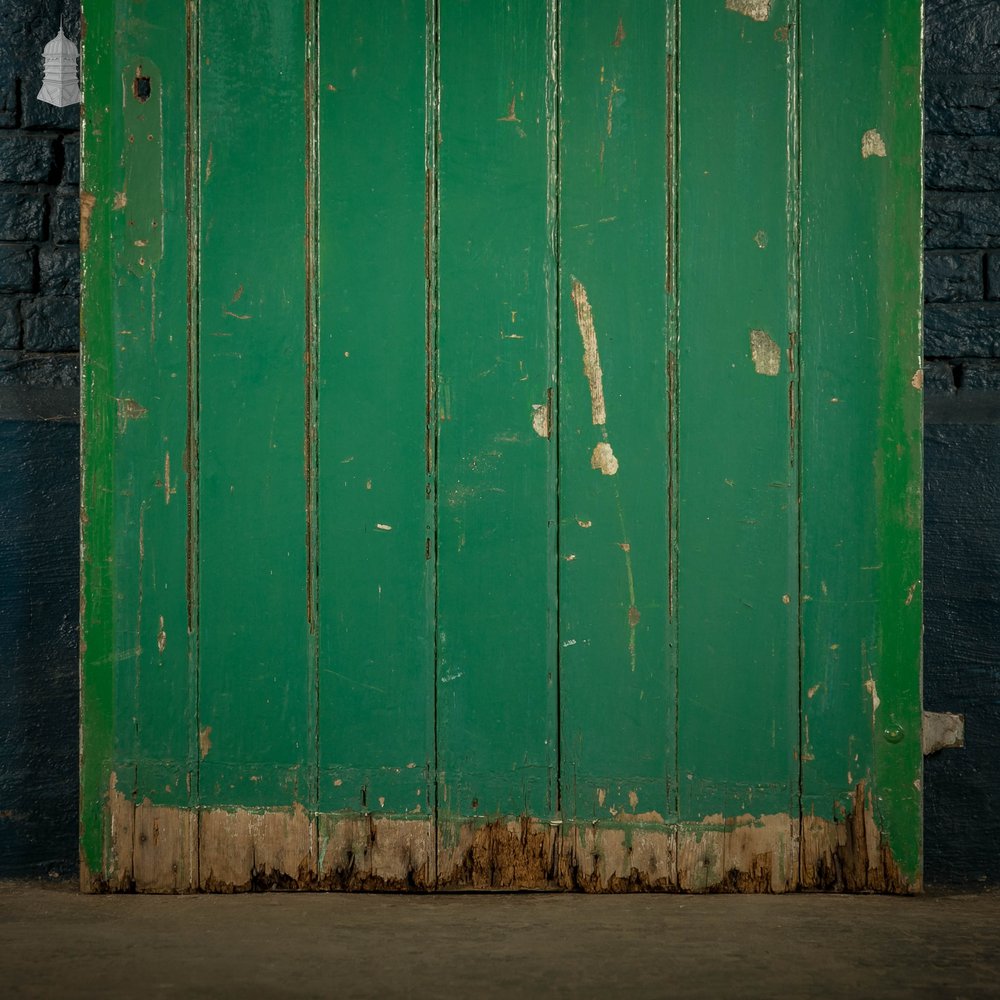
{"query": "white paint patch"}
pixel 872 144
pixel 540 419
pixel 604 459
pixel 757 10
pixel 765 353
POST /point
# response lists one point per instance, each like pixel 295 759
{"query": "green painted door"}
pixel 501 445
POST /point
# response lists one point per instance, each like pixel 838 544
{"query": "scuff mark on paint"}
pixel 872 144
pixel 205 741
pixel 168 490
pixel 128 409
pixel 612 94
pixel 161 637
pixel 757 10
pixel 620 35
pixel 911 590
pixel 591 357
pixel 812 691
pixel 383 527
pixel 604 459
pixel 633 616
pixel 601 796
pixel 765 353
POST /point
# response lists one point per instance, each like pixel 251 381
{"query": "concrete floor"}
pixel 54 943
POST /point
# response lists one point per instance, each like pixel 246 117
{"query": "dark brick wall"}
pixel 962 439
pixel 39 203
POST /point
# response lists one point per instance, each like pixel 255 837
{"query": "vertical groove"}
pixel 553 99
pixel 794 210
pixel 673 341
pixel 312 367
pixel 193 211
pixel 432 83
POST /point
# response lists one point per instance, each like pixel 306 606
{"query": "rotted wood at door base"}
pixel 167 850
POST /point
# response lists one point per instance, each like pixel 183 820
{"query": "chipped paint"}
pixel 918 379
pixel 603 458
pixel 765 353
pixel 872 144
pixel 87 202
pixel 540 419
pixel 757 10
pixel 871 688
pixel 161 637
pixel 591 356
pixel 204 741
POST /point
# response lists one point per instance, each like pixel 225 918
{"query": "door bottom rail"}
pixel 171 849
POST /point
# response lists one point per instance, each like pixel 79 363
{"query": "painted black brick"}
pixel 962 36
pixel 22 216
pixel 993 276
pixel 960 221
pixel 10 323
pixel 953 277
pixel 962 105
pixel 71 159
pixel 8 102
pixel 59 270
pixel 962 330
pixel 962 163
pixel 66 218
pixel 51 323
pixel 27 159
pixel 17 269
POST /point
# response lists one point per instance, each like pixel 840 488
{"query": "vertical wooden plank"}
pixel 146 349
pixel 617 655
pixel 738 573
pixel 376 735
pixel 256 727
pixel 861 407
pixel 495 669
pixel 99 172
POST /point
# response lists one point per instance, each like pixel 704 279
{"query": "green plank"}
pixel 375 519
pixel 150 246
pixel 617 657
pixel 256 673
pixel 861 500
pixel 737 586
pixel 100 171
pixel 495 642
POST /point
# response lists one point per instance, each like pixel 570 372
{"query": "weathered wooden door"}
pixel 501 447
